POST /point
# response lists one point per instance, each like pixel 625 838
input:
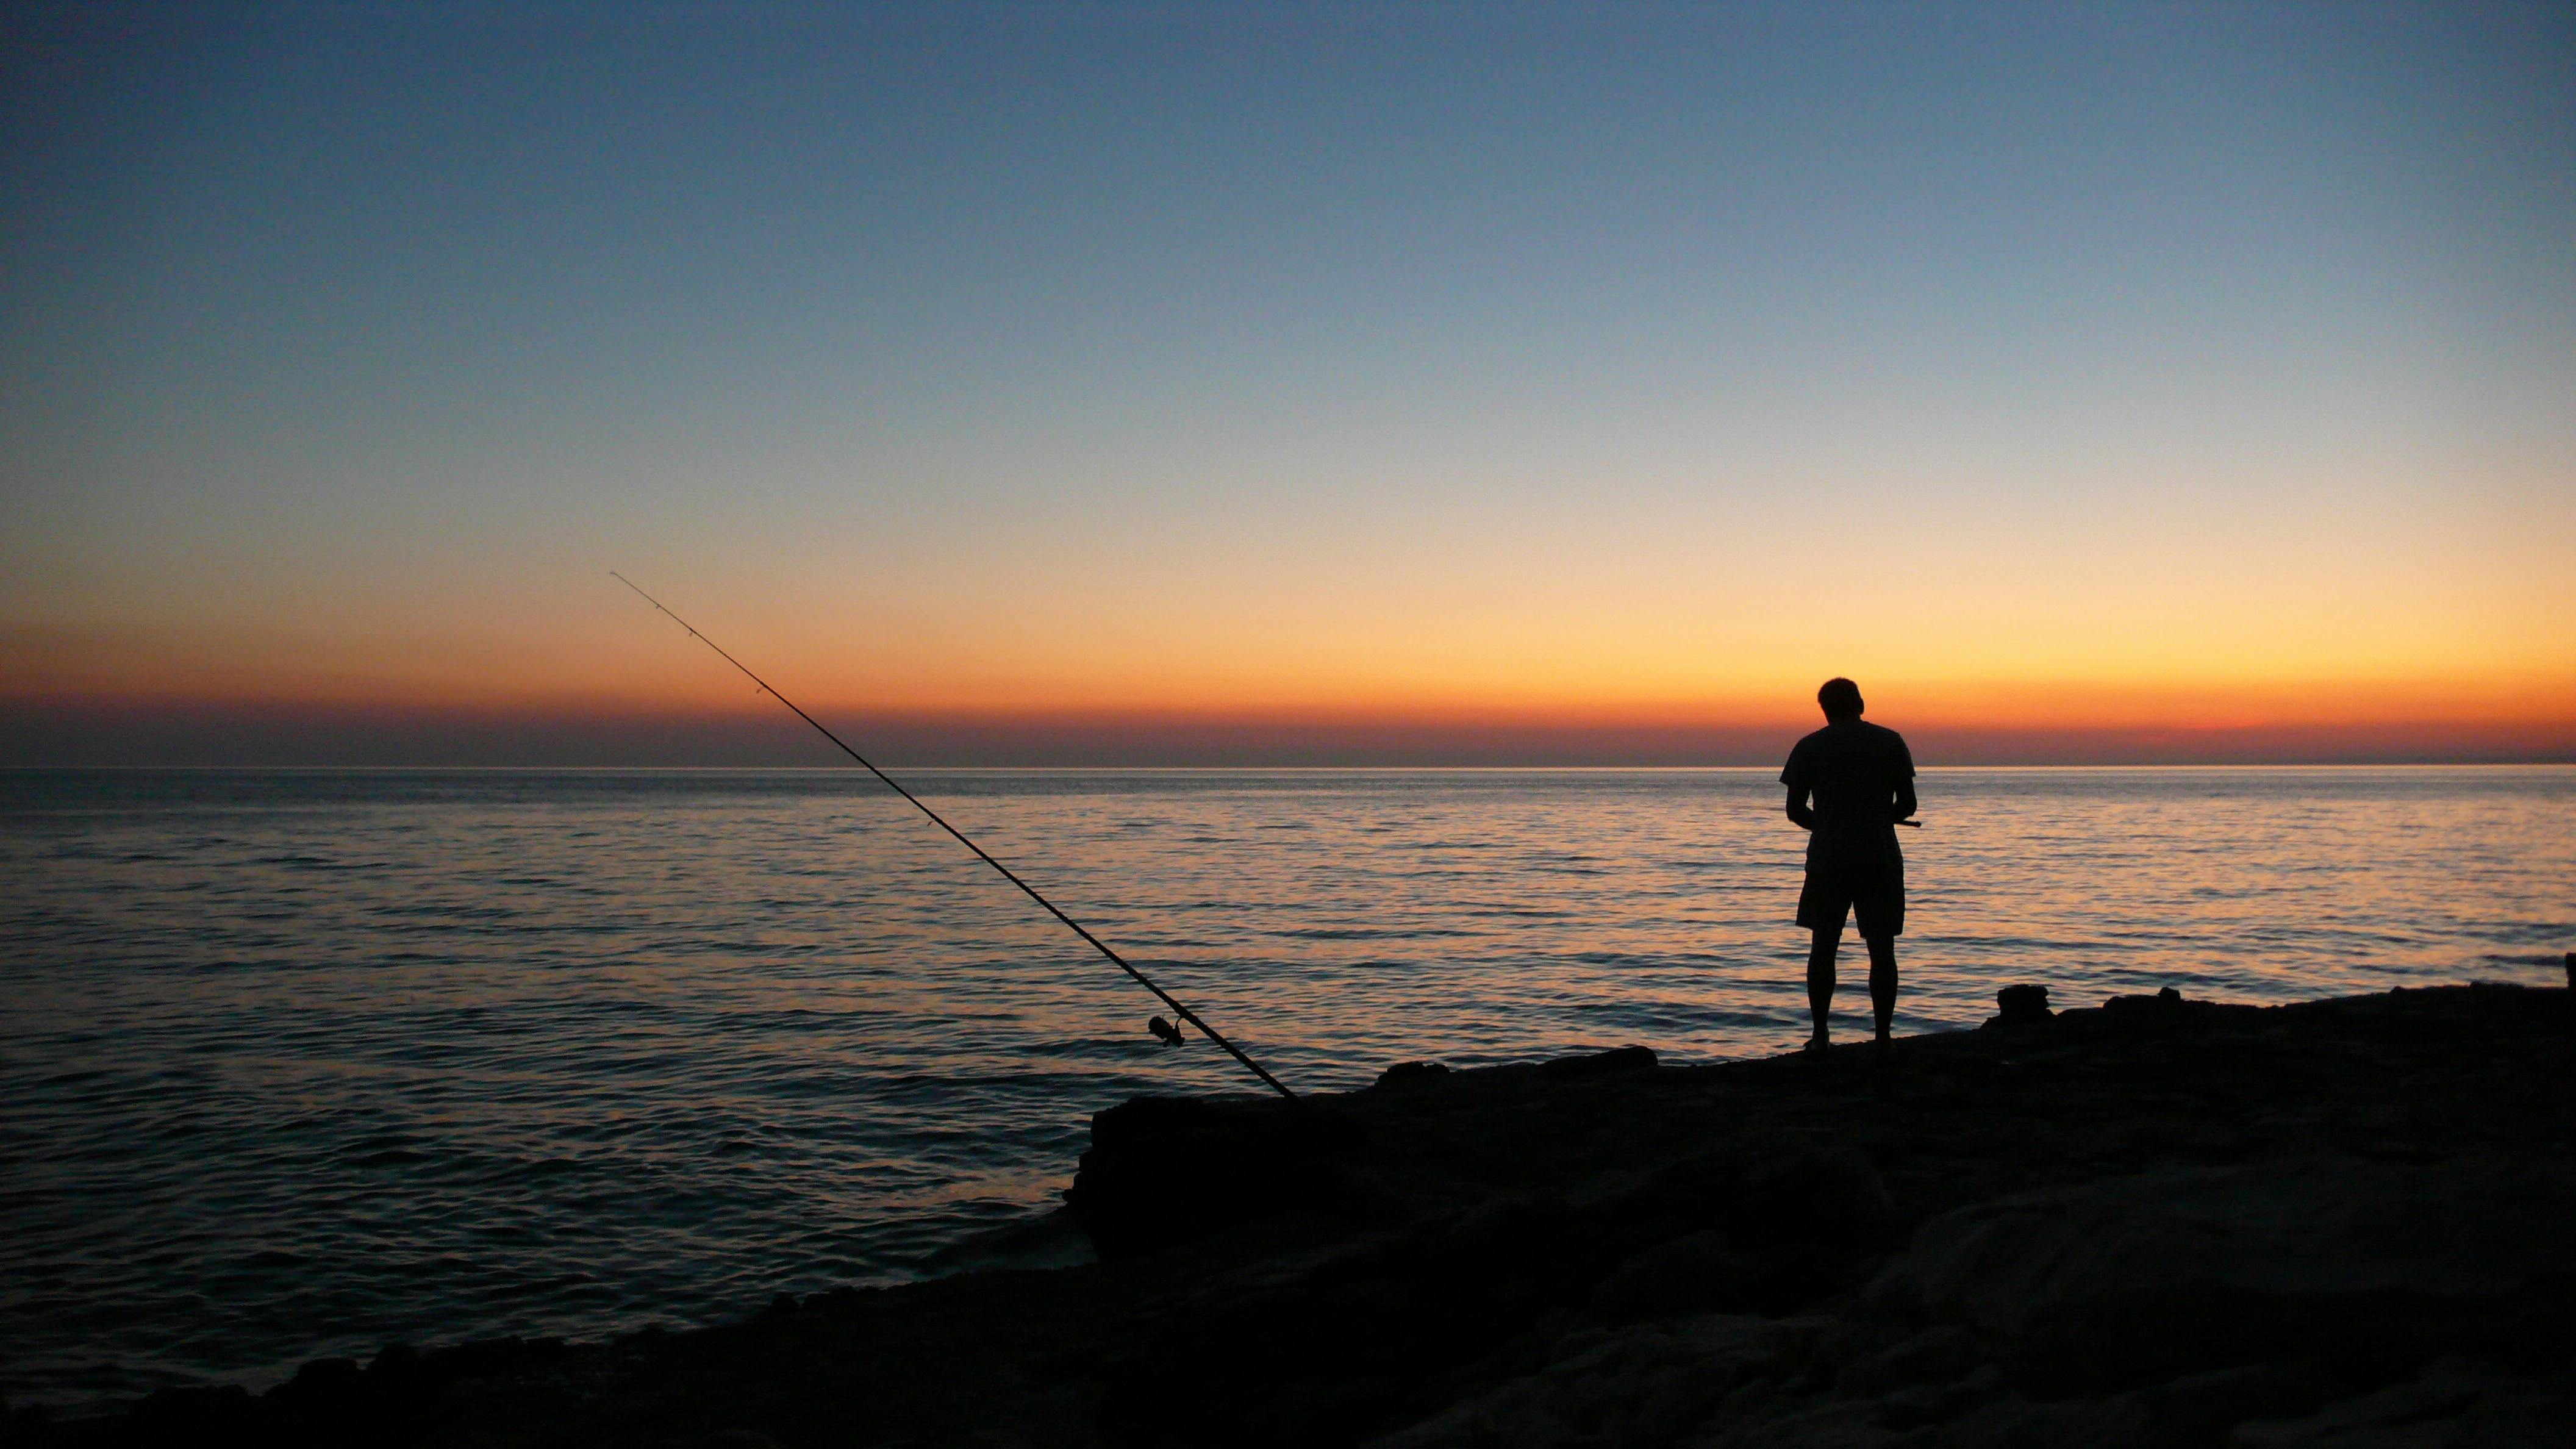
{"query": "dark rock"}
pixel 1169 1170
pixel 1619 1059
pixel 1694 1274
pixel 1403 1072
pixel 2135 1280
pixel 1821 1198
pixel 1944 1353
pixel 1308 1356
pixel 2012 1421
pixel 221 1414
pixel 2202 1408
pixel 323 1377
pixel 2021 1006
pixel 2165 1003
pixel 2455 1401
pixel 1696 1191
pixel 1644 1385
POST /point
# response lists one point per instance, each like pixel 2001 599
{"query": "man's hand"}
pixel 1799 812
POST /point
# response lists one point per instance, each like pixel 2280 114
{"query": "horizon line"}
pixel 2536 763
pixel 178 734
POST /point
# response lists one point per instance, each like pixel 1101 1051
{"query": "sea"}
pixel 295 1064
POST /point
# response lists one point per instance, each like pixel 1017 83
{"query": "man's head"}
pixel 1840 698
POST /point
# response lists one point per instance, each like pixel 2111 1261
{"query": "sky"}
pixel 1289 384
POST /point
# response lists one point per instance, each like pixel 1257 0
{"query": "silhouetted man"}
pixel 1861 778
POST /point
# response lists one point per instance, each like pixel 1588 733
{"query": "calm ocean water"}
pixel 297 1063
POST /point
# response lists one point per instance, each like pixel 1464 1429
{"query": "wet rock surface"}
pixel 2160 1222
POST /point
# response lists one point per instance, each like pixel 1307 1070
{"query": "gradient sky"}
pixel 1367 382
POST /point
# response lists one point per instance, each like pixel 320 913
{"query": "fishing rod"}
pixel 1183 1012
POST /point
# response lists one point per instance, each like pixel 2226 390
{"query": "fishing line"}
pixel 1141 979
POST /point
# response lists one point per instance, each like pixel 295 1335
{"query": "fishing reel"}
pixel 1169 1034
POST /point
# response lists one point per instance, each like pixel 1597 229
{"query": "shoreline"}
pixel 2154 1221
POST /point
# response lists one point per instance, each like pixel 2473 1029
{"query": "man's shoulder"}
pixel 1809 755
pixel 1849 739
pixel 1844 732
pixel 1858 739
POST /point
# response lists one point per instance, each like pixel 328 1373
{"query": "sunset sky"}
pixel 1286 383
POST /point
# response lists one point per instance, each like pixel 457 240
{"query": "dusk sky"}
pixel 1294 383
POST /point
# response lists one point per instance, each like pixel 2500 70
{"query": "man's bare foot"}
pixel 1817 1043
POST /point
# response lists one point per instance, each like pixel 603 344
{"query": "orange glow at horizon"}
pixel 673 676
pixel 1647 614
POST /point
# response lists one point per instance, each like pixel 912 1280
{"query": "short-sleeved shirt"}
pixel 1853 769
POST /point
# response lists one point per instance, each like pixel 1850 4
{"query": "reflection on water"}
pixel 298 1063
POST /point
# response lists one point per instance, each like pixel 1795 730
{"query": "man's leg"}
pixel 1882 980
pixel 1820 977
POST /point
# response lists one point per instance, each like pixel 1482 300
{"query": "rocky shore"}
pixel 2151 1222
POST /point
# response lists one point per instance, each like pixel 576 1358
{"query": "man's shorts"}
pixel 1871 888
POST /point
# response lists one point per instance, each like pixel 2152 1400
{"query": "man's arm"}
pixel 1904 762
pixel 1799 776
